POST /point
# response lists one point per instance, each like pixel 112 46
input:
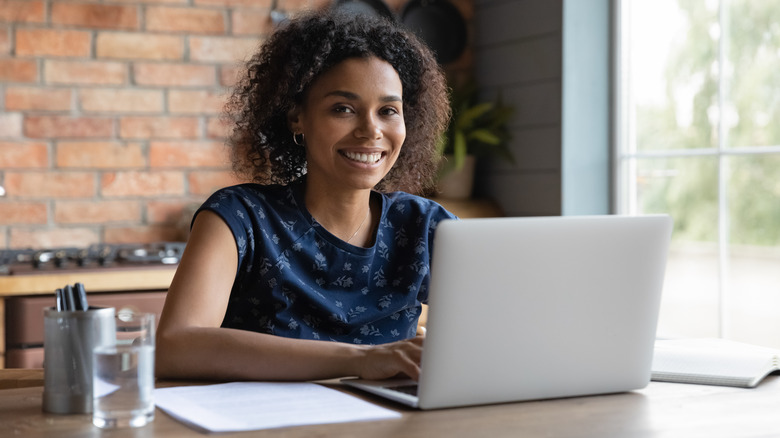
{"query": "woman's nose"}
pixel 369 128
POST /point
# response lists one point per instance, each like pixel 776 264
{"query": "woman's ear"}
pixel 294 120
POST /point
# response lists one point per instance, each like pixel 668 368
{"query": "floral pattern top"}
pixel 295 279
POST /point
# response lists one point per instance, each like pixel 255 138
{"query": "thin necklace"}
pixel 360 226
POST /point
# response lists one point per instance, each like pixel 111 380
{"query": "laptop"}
pixel 537 308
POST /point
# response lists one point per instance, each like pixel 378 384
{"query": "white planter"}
pixel 458 184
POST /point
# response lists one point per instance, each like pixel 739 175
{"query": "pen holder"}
pixel 69 338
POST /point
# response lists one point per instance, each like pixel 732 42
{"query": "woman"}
pixel 336 119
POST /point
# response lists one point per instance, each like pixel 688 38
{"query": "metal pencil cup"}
pixel 69 338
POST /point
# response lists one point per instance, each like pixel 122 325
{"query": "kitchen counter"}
pixel 103 280
pixel 142 278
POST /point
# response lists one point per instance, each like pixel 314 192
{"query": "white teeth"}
pixel 363 158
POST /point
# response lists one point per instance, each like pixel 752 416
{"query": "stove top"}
pixel 30 261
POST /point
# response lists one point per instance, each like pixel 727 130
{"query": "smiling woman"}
pixel 353 121
pixel 335 114
pixel 281 74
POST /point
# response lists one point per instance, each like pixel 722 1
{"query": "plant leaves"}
pixel 485 136
pixel 466 118
pixel 459 150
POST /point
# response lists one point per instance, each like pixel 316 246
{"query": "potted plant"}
pixel 477 129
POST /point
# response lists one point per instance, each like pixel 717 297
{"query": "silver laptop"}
pixel 538 308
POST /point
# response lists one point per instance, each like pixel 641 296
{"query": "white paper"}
pixel 240 406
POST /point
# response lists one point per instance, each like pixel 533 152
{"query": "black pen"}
pixel 81 297
pixel 70 299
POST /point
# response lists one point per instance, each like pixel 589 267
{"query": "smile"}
pixel 363 158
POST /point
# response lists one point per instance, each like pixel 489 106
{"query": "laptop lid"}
pixel 547 307
pixel 537 308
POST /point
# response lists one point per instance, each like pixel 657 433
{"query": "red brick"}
pixel 41 237
pixel 96 212
pixel 5 43
pixel 18 70
pixel 187 154
pixel 99 155
pixel 196 102
pixel 23 155
pixel 138 183
pixel 121 100
pixel 170 211
pixel 158 2
pixel 158 127
pixel 143 234
pixel 217 128
pixel 251 22
pixel 120 45
pixel 50 184
pixel 23 213
pixel 185 19
pixel 95 16
pixel 174 75
pixel 10 125
pixel 52 42
pixel 293 6
pixel 85 73
pixel 229 74
pixel 205 183
pixel 33 98
pixel 245 3
pixel 22 11
pixel 222 49
pixel 68 127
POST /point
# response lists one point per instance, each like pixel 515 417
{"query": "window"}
pixel 698 137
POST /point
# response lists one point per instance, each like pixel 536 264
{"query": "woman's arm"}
pixel 191 343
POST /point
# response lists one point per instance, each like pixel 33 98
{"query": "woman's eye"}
pixel 342 109
pixel 389 111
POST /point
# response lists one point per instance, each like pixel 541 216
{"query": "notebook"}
pixel 538 308
pixel 712 361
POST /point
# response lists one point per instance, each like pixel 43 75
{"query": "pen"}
pixel 59 300
pixel 81 297
pixel 70 299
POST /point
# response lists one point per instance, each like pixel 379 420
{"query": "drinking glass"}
pixel 123 382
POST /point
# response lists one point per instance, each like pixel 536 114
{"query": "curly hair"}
pixel 280 74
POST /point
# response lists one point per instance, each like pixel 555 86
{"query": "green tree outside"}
pixel 687 187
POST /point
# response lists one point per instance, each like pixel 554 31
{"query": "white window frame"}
pixel 625 156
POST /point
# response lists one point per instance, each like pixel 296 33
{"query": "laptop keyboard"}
pixel 406 389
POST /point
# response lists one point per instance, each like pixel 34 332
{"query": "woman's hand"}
pixel 389 360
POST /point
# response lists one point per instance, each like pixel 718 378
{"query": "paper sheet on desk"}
pixel 238 406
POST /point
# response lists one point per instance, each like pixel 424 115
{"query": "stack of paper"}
pixel 240 406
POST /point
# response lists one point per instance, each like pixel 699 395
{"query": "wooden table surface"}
pixel 660 410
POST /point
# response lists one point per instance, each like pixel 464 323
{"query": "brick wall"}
pixel 109 112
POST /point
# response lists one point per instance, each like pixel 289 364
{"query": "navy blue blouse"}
pixel 295 279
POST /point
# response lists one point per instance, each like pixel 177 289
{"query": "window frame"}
pixel 625 154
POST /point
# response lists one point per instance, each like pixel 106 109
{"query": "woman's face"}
pixel 353 123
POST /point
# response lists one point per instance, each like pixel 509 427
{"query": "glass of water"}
pixel 123 374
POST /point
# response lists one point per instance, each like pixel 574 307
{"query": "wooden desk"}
pixel 660 410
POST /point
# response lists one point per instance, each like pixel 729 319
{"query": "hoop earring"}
pixel 295 139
